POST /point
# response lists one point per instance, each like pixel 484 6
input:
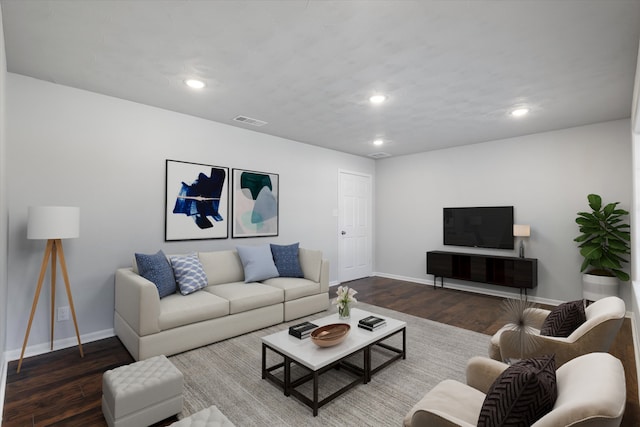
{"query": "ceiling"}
pixel 452 70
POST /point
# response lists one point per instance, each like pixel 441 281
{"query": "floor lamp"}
pixel 52 223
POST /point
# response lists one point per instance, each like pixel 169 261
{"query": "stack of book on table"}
pixel 371 323
pixel 302 330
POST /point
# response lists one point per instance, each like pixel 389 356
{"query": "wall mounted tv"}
pixel 481 227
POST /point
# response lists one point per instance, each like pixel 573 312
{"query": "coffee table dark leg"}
pixel 287 375
pixel 404 343
pixel 315 393
pixel 264 361
pixel 367 364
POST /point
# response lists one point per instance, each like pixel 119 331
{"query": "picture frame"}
pixel 255 203
pixel 196 201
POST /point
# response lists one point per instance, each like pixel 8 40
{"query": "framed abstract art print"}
pixel 197 201
pixel 255 204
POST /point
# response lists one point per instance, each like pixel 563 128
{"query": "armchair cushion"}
pixel 448 404
pixel 522 394
pixel 564 319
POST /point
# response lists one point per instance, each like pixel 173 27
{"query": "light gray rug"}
pixel 228 374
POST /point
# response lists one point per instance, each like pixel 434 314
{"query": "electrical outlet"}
pixel 63 313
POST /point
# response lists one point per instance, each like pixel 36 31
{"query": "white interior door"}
pixel 354 226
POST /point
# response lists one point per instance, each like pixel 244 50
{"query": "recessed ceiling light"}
pixel 378 142
pixel 193 83
pixel 519 112
pixel 377 99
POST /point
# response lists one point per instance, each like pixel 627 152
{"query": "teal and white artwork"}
pixel 255 204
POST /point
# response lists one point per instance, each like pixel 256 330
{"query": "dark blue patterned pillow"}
pixel 286 259
pixel 156 269
pixel 564 319
pixel 522 394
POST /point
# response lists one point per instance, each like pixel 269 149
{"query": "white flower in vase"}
pixel 343 301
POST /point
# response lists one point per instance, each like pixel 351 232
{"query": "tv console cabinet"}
pixel 514 272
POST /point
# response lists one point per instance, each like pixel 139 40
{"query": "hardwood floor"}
pixel 61 389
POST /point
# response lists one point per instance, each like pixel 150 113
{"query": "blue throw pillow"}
pixel 286 259
pixel 257 262
pixel 156 269
pixel 189 273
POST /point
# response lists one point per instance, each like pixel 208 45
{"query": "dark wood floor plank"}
pixel 62 389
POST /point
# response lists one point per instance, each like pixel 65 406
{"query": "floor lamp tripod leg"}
pixel 53 289
pixel 63 267
pixel 43 269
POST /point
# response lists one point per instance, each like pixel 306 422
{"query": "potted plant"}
pixel 603 243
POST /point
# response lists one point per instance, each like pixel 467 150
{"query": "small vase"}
pixel 344 312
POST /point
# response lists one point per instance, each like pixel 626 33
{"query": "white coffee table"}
pixel 318 360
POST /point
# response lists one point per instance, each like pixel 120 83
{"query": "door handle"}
pixel 343 232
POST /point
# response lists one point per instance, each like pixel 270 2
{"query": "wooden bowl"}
pixel 330 335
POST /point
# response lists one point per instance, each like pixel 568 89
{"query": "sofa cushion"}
pixel 564 319
pixel 286 259
pixel 522 394
pixel 294 288
pixel 222 266
pixel 257 262
pixel 156 269
pixel 178 310
pixel 247 296
pixel 189 273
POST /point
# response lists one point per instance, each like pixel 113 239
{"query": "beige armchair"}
pixel 604 318
pixel 591 392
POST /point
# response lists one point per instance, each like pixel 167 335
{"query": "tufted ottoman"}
pixel 141 393
pixel 208 417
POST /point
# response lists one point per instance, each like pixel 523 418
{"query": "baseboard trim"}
pixel 43 348
pixel 3 383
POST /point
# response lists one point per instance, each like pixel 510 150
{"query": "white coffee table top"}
pixel 313 357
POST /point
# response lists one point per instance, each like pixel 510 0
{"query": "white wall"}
pixel 107 156
pixel 545 176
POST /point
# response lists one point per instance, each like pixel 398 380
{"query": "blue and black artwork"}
pixel 201 198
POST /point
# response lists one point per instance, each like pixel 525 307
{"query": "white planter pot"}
pixel 597 287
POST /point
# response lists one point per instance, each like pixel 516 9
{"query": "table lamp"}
pixel 521 231
pixel 52 223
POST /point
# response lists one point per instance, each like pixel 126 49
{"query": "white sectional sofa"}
pixel 149 325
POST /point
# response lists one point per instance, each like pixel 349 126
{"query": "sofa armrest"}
pixel 137 302
pixel 324 276
pixel 482 372
pixel 314 267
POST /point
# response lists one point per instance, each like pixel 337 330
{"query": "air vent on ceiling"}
pixel 379 155
pixel 249 121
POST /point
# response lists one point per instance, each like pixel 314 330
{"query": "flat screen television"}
pixel 481 227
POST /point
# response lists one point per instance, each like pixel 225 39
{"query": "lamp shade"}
pixel 520 230
pixel 53 222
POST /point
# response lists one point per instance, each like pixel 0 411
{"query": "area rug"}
pixel 228 374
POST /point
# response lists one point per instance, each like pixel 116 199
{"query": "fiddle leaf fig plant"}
pixel 604 240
